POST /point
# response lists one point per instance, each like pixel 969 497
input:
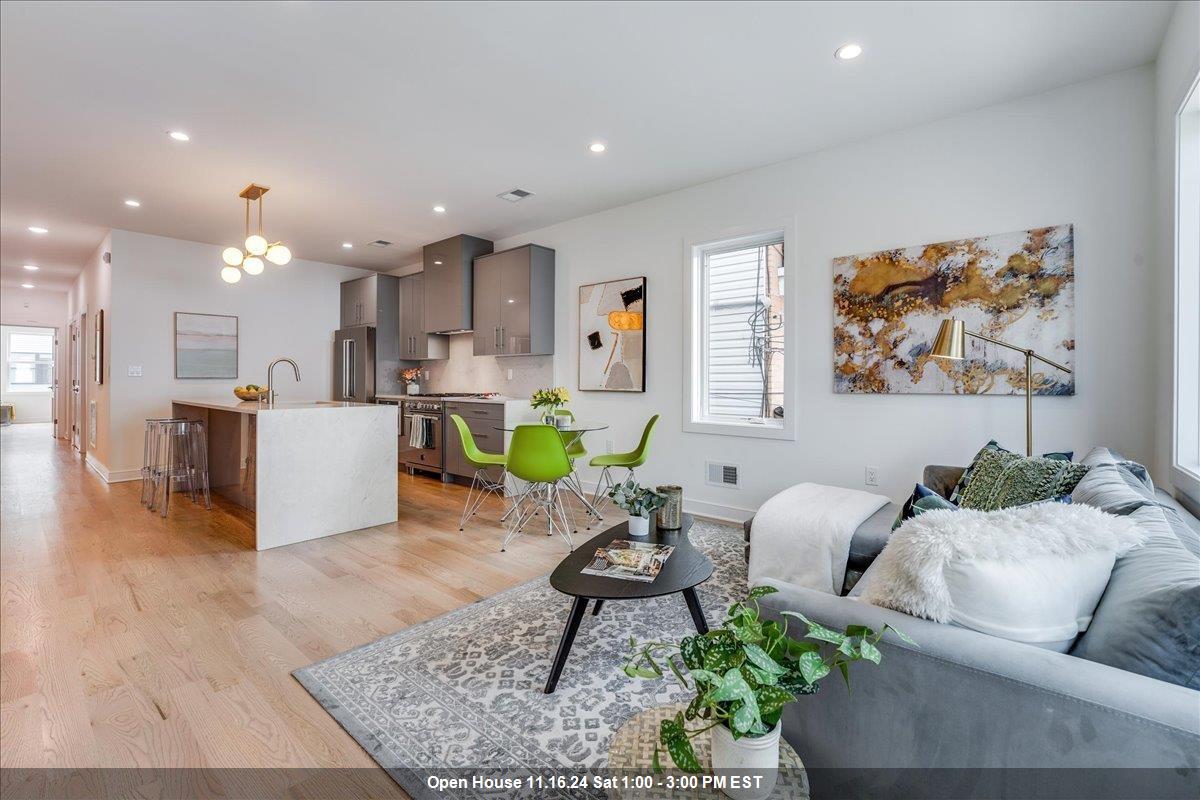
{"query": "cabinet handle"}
pixel 501 337
pixel 496 337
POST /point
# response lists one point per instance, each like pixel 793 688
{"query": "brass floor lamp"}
pixel 951 344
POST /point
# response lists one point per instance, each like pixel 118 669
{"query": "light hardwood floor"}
pixel 130 640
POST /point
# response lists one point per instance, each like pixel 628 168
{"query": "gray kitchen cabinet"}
pixel 415 343
pixel 513 305
pixel 362 300
pixel 482 419
pixel 449 283
pixel 487 309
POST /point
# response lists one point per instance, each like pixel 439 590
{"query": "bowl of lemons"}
pixel 251 391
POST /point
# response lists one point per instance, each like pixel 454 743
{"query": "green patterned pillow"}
pixel 1000 479
pixel 992 447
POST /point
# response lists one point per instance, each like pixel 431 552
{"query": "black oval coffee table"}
pixel 685 569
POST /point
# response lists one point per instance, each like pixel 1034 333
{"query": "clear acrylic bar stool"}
pixel 175 452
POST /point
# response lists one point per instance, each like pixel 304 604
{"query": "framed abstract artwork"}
pixel 206 346
pixel 612 336
pixel 1017 287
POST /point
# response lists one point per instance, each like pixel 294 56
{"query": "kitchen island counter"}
pixel 306 469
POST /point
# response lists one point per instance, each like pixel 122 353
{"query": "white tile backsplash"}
pixel 466 372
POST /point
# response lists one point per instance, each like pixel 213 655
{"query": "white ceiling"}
pixel 362 116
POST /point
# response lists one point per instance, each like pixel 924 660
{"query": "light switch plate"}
pixel 135 371
pixel 510 374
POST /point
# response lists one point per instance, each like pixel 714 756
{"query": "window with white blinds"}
pixel 738 360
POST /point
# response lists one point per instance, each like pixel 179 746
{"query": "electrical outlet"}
pixel 510 374
pixel 608 445
pixel 871 476
pixel 426 374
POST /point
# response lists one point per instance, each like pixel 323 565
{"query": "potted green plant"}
pixel 637 501
pixel 550 400
pixel 743 674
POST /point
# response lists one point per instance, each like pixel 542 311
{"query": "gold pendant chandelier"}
pixel 250 261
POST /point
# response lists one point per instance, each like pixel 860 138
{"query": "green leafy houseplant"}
pixel 746 671
pixel 635 500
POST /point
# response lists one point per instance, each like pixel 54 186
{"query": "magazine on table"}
pixel 629 561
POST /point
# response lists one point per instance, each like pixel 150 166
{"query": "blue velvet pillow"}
pixel 921 500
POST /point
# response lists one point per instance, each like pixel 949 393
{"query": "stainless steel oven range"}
pixel 421 429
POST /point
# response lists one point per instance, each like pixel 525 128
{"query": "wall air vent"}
pixel 514 195
pixel 721 474
pixel 380 243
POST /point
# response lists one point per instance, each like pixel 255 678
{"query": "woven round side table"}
pixel 632 750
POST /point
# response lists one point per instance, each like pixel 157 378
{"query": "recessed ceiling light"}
pixel 26 285
pixel 437 263
pixel 179 136
pixel 133 203
pixel 31 267
pixel 439 209
pixel 597 147
pixel 347 245
pixel 848 51
pixel 37 229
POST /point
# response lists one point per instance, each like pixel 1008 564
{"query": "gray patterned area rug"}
pixel 463 692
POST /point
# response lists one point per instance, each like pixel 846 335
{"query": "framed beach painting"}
pixel 206 345
pixel 612 336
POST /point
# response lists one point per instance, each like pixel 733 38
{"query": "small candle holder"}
pixel 670 514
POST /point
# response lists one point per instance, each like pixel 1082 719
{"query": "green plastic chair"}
pixel 630 461
pixel 536 455
pixel 481 483
pixel 577 450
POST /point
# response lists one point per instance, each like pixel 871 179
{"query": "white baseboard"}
pixel 96 466
pixel 112 476
pixel 701 508
pixel 124 475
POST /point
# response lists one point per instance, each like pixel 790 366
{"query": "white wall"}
pixel 1176 68
pixel 1082 154
pixel 286 311
pixel 48 309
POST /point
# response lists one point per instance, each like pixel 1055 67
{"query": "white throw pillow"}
pixel 1031 574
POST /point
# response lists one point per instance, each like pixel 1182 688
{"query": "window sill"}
pixel 740 429
pixel 1186 479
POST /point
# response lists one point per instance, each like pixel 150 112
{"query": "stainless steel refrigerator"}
pixel 354 364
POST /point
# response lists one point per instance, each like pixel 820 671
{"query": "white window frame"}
pixel 19 388
pixel 695 365
pixel 1184 456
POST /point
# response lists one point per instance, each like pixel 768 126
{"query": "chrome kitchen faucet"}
pixel 271 378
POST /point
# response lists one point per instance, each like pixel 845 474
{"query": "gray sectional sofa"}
pixel 966 714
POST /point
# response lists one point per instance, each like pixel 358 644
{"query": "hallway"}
pixel 133 641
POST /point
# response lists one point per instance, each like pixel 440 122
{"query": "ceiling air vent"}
pixel 722 474
pixel 514 195
pixel 380 243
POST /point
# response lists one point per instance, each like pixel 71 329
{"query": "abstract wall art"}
pixel 612 336
pixel 1018 287
pixel 206 346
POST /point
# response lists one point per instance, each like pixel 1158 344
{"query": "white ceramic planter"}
pixel 749 760
pixel 413 388
pixel 640 526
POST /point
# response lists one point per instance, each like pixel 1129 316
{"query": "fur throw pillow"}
pixel 1033 573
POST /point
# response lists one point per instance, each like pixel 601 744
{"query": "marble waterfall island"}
pixel 306 470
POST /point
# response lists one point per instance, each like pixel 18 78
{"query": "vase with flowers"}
pixel 548 401
pixel 410 376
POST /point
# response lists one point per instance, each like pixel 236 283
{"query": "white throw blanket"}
pixel 802 535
